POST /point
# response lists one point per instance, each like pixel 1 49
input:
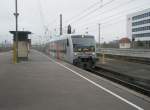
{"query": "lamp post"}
pixel 99 35
pixel 61 24
pixel 16 14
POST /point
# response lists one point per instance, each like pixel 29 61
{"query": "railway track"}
pixel 133 59
pixel 121 79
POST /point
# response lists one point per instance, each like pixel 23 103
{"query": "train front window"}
pixel 83 44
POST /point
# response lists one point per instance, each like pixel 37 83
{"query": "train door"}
pixel 68 51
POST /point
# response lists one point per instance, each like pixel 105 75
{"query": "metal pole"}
pixel 99 34
pixel 16 40
pixel 60 24
pixel 87 30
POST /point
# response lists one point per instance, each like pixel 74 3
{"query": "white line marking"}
pixel 3 53
pixel 99 86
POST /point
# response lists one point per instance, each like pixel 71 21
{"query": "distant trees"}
pixel 112 44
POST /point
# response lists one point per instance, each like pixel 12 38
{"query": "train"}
pixel 79 50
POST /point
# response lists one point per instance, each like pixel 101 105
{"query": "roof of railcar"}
pixel 67 36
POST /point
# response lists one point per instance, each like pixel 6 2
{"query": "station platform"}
pixel 132 69
pixel 45 84
pixel 139 53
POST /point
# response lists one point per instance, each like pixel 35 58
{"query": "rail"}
pixel 121 79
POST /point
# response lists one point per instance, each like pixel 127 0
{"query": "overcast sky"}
pixel 83 15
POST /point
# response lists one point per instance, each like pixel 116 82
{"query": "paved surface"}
pixel 144 53
pixel 41 84
pixel 136 70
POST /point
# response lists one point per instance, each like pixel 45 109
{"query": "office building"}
pixel 138 28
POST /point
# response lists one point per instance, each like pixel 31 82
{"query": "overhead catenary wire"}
pixel 90 7
pixel 114 16
pixel 105 25
pixel 81 19
pixel 122 4
pixel 91 12
pixel 104 12
pixel 46 31
pixel 42 17
pixel 85 10
pixel 45 23
pixel 41 13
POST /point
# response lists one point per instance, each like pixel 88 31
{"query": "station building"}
pixel 124 43
pixel 138 28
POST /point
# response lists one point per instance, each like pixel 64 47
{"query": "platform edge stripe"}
pixel 108 91
pixel 3 53
pixel 99 86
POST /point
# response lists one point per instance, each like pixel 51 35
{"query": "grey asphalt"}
pixel 41 84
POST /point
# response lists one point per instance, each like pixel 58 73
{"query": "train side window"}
pixel 67 42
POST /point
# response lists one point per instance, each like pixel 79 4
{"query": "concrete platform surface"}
pixel 143 53
pixel 136 70
pixel 42 84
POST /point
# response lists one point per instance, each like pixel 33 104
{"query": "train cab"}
pixel 84 50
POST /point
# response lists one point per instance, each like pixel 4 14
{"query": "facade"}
pixel 138 27
pixel 124 43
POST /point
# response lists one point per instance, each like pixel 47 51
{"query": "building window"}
pixel 141 29
pixel 141 35
pixel 141 22
pixel 141 16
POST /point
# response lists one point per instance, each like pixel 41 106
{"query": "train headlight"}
pixel 93 53
pixel 75 54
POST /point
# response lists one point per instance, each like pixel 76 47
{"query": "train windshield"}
pixel 83 43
